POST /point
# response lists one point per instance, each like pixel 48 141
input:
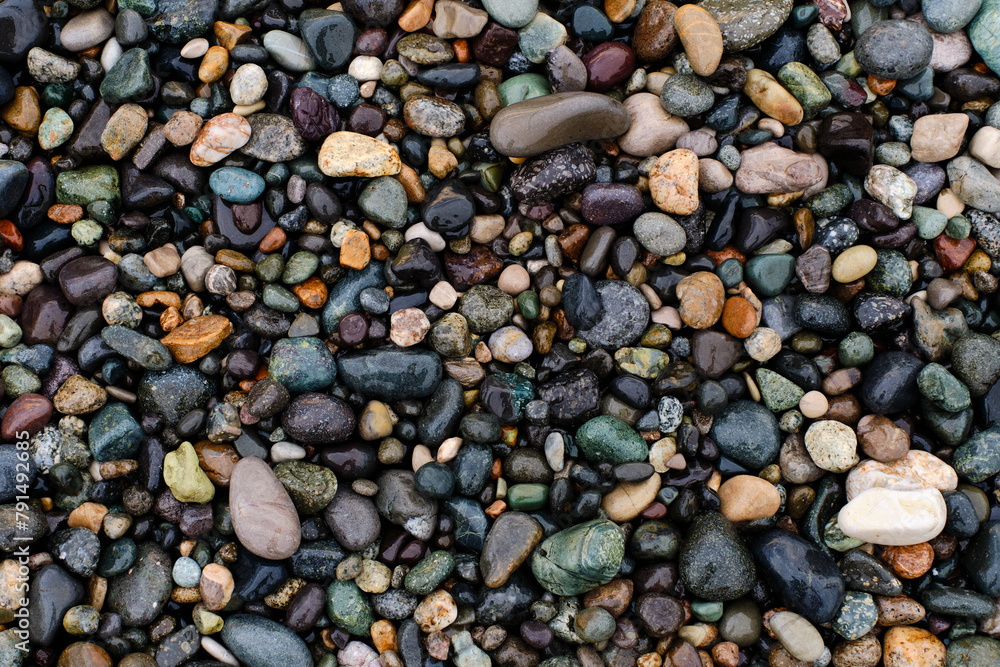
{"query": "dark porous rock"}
pixel 315 419
pixel 174 392
pixel 803 576
pixel 823 314
pixel 53 592
pixel 626 313
pixel 399 502
pixel 573 396
pixel 554 174
pixel 975 360
pixel 714 562
pixel 890 383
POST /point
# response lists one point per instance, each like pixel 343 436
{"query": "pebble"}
pixel 903 517
pixel 938 137
pixel 538 125
pixel 768 168
pixel 748 498
pixel 263 515
pixel 352 154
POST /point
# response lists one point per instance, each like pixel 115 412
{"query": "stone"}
pixel 748 498
pixel 606 438
pixel 748 433
pixel 768 168
pixel 196 337
pixel 185 478
pixel 973 184
pixel 894 517
pixel 903 645
pixel 257 641
pixel 218 138
pixel 701 37
pixel 832 445
pixel 714 563
pixel 745 24
pixel 673 182
pixel 580 558
pixel 702 299
pixel 938 137
pixel 984 39
pixel 659 234
pixel 800 574
pixel 140 594
pixel 894 49
pixel 538 125
pixel 263 515
pixel 772 98
pixel 916 470
pixel 797 635
pixel 352 154
pixel 652 130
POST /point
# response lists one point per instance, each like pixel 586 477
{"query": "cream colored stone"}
pixel 798 636
pixel 949 203
pixel 894 517
pixel 916 470
pixel 195 48
pixel 673 182
pixel 352 154
pixel 854 263
pixel 514 279
pixel 408 326
pixel 443 295
pixel 814 405
pixel 661 452
pixel 938 136
pixel 713 176
pixel 421 456
pixel 832 445
pixel 485 228
pixel 653 130
pixel 985 146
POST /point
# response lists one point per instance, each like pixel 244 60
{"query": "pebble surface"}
pixel 512 332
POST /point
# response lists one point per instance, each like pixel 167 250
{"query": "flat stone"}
pixel 263 515
pixel 352 154
pixel 538 125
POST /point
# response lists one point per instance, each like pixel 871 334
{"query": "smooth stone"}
pixel 981 559
pixel 983 34
pixel 802 575
pixel 915 470
pixel 626 315
pixel 302 364
pixel 353 520
pixel 974 184
pixel 976 362
pixel 768 168
pixel 114 434
pixel 652 129
pixel 606 438
pixel 894 49
pixel 894 517
pixel 140 594
pixel 745 24
pixel 748 433
pixel 400 503
pixel 391 374
pixel 978 458
pixel 538 125
pixel 263 515
pixel 580 558
pixel 510 541
pixel 714 563
pixel 659 234
pixel 53 592
pixel 890 383
pixel 259 642
pixel 797 635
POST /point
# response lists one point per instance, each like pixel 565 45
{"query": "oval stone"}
pixel 893 517
pixel 263 514
pixel 534 126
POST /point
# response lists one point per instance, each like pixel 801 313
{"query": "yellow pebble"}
pixel 213 65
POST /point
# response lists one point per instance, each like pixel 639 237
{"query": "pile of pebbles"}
pixel 402 334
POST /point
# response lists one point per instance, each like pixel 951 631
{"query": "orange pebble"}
pixel 881 86
pixel 312 292
pixel 911 561
pixel 65 214
pixel 726 253
pixel 11 235
pixel 739 317
pixel 274 240
pixel 461 47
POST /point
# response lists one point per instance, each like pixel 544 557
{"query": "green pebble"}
pixel 769 275
pixel 942 388
pixel 930 222
pixel 424 577
pixel 779 393
pixel 806 86
pixel 277 297
pixel 86 232
pixel 856 349
pixel 527 496
pixel 87 185
pixel 384 201
pixel 523 87
pixel 299 267
pixel 608 439
pixel 958 227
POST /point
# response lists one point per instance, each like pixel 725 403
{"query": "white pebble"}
pixel 110 54
pixel 555 451
pixel 422 231
pixel 196 48
pixel 219 652
pixel 443 295
pixel 365 68
pixel 286 451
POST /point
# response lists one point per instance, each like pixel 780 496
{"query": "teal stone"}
pixel 609 439
pixel 856 349
pixel 527 496
pixel 730 272
pixel 948 16
pixel 857 616
pixel 260 642
pixel 978 458
pixel 528 304
pixel 984 35
pixel 384 201
pixel 769 275
pixel 146 352
pixel 891 275
pixel 117 557
pixel 830 200
pixel 540 36
pixel 580 558
pixel 348 608
pixel 186 572
pixel 344 295
pixel 976 651
pixel 145 8
pixel 655 540
pixel 942 388
pixel 56 128
pixel 806 86
pixel 302 364
pixel 236 185
pixel 801 17
pixel 177 21
pixel 710 612
pixel 129 78
pixel 523 87
pixel 748 433
pixel 424 577
pixel 951 428
pixel 930 222
pixel 87 185
pixel 917 88
pixel 277 297
pixel 299 267
pixel 114 434
pixel 511 13
pixel 391 373
pixel 958 227
pixel 778 392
